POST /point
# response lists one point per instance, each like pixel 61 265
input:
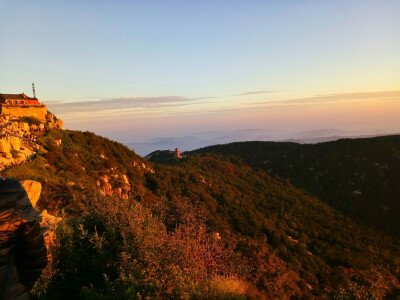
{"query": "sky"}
pixel 181 73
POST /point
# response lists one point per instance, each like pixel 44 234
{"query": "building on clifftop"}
pixel 18 99
pixel 20 105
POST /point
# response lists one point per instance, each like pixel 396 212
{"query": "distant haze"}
pixel 200 140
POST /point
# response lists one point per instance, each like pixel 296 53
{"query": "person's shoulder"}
pixel 11 193
pixel 10 185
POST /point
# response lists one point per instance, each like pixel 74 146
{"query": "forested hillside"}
pixel 206 226
pixel 359 177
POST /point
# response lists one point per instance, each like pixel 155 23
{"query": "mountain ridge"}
pixel 342 173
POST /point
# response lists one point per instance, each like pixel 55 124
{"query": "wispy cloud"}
pixel 330 98
pixel 155 107
pixel 253 93
pixel 103 104
pixel 125 103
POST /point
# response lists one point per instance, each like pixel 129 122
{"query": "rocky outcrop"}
pixel 5 146
pixel 105 187
pixel 60 123
pixel 114 185
pixel 15 143
pixel 142 166
pixel 53 122
pixel 33 188
pixel 19 135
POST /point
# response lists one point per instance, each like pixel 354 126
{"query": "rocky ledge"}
pixel 19 136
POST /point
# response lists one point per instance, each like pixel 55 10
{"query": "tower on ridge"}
pixel 33 88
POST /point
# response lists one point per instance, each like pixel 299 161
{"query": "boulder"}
pixel 14 126
pixel 19 160
pixel 106 189
pixel 33 188
pixel 60 123
pixel 5 162
pixel 5 146
pixel 15 143
pixel 125 179
pixel 118 192
pixel 104 178
pixel 24 126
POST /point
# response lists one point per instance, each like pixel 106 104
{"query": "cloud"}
pixel 180 106
pixel 343 97
pixel 123 103
pixel 253 93
pixel 119 104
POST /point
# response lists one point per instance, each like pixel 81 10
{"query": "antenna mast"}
pixel 33 88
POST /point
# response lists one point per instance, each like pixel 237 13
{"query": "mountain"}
pixel 214 224
pixel 359 177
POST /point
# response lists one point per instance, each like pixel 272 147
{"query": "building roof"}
pixel 16 97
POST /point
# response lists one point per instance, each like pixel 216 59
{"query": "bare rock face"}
pixel 125 179
pixel 15 143
pixel 48 225
pixel 118 192
pixel 5 146
pixel 53 122
pixel 24 126
pixel 33 188
pixel 60 123
pixel 106 188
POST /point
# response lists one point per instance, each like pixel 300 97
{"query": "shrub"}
pixel 30 120
pixel 114 246
pixel 375 283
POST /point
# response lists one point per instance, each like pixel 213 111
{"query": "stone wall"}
pixel 37 111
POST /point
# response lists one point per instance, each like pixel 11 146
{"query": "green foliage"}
pixel 359 177
pixel 77 159
pixel 309 235
pixel 114 249
pixel 30 120
pixel 375 283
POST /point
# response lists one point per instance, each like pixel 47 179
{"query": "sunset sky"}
pixel 162 74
